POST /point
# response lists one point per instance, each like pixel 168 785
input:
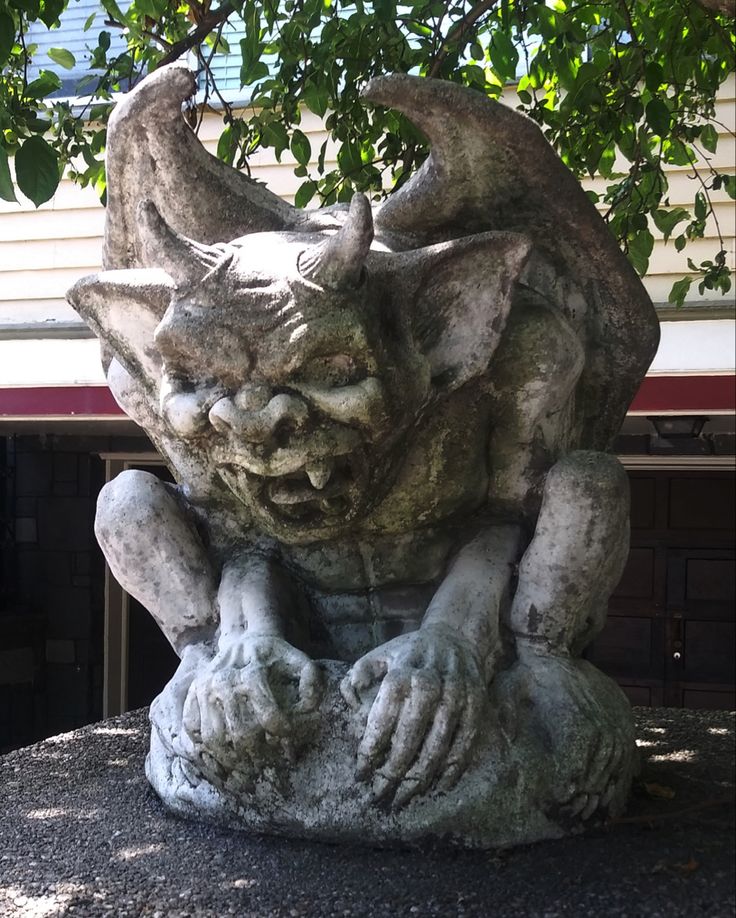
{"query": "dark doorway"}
pixel 669 639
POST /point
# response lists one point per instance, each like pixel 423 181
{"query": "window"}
pixel 72 36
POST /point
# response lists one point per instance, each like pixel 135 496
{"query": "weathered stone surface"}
pixel 390 540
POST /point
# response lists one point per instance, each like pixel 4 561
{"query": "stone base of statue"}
pixel 557 757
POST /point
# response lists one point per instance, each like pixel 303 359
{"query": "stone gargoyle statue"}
pixel 396 525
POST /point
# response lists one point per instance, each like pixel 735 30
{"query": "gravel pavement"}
pixel 82 834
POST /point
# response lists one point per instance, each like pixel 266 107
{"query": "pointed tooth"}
pixel 319 473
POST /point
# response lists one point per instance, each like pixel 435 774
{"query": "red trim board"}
pixel 686 394
pixel 59 401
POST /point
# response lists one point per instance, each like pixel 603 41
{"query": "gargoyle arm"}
pixel 256 598
pixel 470 598
pixel 576 557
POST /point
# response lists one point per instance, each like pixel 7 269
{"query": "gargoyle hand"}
pixel 248 696
pixel 425 715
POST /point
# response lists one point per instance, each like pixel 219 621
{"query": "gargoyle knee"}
pixel 586 476
pixel 155 554
pixel 132 500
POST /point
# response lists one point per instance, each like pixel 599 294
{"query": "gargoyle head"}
pixel 301 362
pixel 290 367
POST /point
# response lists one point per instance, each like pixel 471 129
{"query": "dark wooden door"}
pixel 669 639
pixel 701 631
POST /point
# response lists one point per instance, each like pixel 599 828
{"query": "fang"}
pixel 319 474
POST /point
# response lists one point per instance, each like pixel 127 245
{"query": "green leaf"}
pixel 305 193
pixel 667 220
pixel 7 35
pixel 316 98
pixel 255 71
pixel 701 207
pixel 640 248
pixel 46 83
pixel 7 192
pixel 112 8
pixel 606 162
pixel 50 11
pixel 503 54
pixel 37 170
pixel 225 146
pixel 349 159
pixel 38 125
pixel 28 6
pixel 88 22
pixel 729 183
pixel 653 76
pixel 677 152
pixel 679 291
pixel 62 57
pixel 709 138
pixel 658 117
pixel 384 9
pixel 274 135
pixel 301 148
pixel 680 243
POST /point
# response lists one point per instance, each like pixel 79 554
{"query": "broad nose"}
pixel 276 420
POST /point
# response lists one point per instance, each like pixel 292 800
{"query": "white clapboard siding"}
pixel 43 251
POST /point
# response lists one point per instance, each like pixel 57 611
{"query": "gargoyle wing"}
pixel 153 155
pixel 490 168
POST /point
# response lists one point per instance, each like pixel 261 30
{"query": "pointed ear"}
pixel 123 309
pixel 462 301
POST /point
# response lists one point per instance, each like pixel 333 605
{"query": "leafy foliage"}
pixel 622 88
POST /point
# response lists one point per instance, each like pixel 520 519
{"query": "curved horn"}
pixel 153 153
pixel 184 260
pixel 338 262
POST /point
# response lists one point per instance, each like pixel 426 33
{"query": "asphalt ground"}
pixel 81 833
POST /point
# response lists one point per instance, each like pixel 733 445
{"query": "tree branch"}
pixel 457 32
pixel 727 7
pixel 207 24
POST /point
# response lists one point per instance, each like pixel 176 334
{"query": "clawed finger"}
pixel 380 727
pixel 349 694
pixel 433 753
pixel 265 707
pixel 411 727
pixel 369 670
pixel 191 716
pixel 310 688
pixel 211 716
pixel 464 739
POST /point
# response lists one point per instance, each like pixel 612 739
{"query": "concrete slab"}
pixel 81 833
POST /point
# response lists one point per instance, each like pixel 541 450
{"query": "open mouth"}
pixel 325 488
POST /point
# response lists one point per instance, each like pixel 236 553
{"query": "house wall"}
pixel 43 252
